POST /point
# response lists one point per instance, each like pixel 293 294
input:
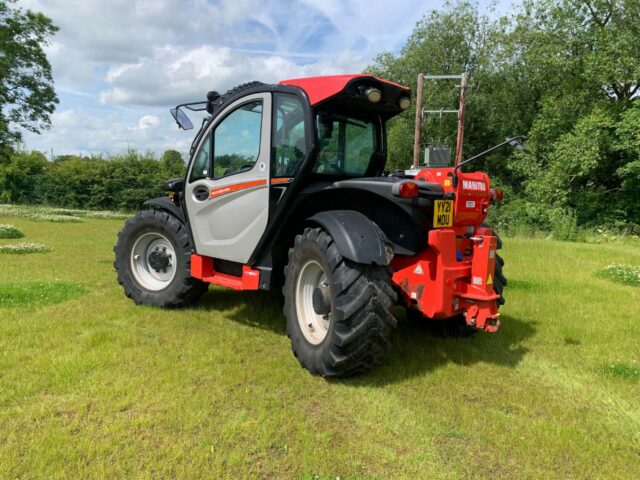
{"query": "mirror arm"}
pixel 517 140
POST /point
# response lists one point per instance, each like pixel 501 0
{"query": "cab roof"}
pixel 319 89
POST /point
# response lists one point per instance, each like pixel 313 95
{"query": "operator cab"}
pixel 348 114
pixel 260 143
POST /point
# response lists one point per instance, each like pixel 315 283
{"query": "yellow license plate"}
pixel 442 213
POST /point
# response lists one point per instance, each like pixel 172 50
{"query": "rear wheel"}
pixel 338 311
pixel 153 261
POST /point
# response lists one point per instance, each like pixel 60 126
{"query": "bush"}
pixel 44 217
pixel 524 218
pixel 23 248
pixel 624 274
pixel 622 370
pixel 10 231
pixel 8 210
pixel 564 224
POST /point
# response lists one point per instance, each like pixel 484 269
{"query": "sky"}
pixel 119 65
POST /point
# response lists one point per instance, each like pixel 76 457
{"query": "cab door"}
pixel 227 190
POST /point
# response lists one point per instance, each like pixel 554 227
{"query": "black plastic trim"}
pixel 166 204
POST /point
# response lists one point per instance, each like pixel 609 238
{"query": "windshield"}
pixel 346 144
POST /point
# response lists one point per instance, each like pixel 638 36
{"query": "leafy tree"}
pixel 27 97
pixel 564 72
pixel 172 164
pixel 16 177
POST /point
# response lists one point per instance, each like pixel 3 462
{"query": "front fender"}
pixel 356 237
pixel 166 204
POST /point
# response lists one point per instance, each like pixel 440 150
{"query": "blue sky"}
pixel 119 65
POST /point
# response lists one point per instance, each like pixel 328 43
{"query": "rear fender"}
pixel 356 237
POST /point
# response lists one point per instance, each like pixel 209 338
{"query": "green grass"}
pixel 97 387
pixel 29 294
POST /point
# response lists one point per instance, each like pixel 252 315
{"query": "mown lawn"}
pixel 92 386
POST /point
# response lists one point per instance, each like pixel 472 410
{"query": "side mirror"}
pixel 516 142
pixel 181 118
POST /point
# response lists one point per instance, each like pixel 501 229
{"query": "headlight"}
pixel 404 102
pixel 373 95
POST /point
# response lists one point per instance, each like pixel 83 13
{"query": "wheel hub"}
pixel 321 299
pixel 153 261
pixel 159 259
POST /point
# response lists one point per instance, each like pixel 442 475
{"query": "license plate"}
pixel 442 213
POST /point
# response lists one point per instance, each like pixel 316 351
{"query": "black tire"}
pixel 361 297
pixel 455 327
pixel 182 290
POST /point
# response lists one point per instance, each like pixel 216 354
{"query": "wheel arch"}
pixel 356 237
pixel 167 205
pixel 405 234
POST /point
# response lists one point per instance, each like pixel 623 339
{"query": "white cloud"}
pixel 116 62
pixel 174 75
pixel 77 131
pixel 148 121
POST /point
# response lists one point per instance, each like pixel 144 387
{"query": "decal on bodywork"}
pixel 217 192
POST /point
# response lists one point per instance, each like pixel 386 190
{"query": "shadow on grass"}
pixel 416 349
pixel 257 309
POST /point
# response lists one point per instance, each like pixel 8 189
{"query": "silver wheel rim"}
pixel 314 327
pixel 144 273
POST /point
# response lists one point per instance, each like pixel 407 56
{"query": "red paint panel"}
pixel 203 268
pixel 472 193
pixel 321 88
pixel 440 286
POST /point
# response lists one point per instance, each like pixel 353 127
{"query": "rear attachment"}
pixel 440 283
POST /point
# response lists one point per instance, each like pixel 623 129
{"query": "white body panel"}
pixel 229 226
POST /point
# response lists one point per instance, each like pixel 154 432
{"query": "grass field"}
pixel 92 386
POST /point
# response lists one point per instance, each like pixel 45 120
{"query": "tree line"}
pixel 566 73
pixel 119 182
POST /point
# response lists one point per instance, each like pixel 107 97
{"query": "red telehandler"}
pixel 286 188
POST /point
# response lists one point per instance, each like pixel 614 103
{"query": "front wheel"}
pixel 153 261
pixel 338 312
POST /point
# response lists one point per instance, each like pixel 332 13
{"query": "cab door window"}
pixel 202 164
pixel 289 144
pixel 236 140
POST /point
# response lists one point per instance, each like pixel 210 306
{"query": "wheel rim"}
pixel 314 326
pixel 153 261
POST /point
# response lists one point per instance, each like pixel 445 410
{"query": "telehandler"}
pixel 286 188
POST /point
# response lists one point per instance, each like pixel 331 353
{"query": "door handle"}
pixel 201 193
